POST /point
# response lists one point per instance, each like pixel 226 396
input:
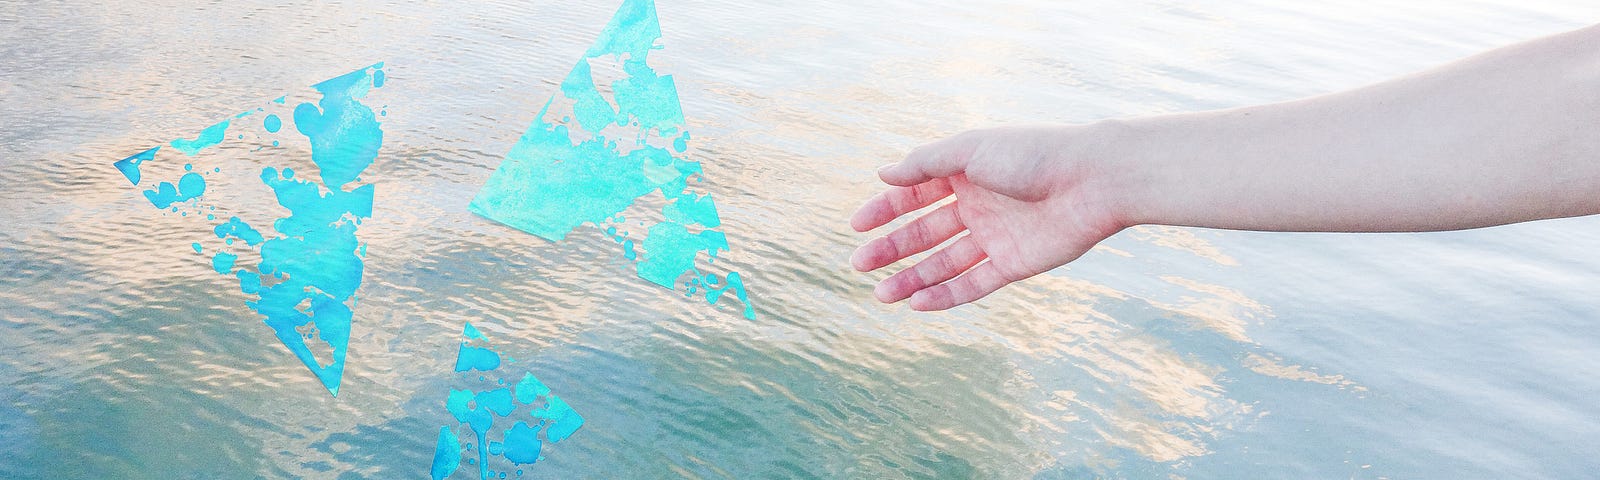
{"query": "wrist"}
pixel 1124 178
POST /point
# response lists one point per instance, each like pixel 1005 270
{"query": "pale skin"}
pixel 1506 136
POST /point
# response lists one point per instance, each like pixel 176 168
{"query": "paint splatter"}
pixel 191 186
pixel 589 166
pixel 236 228
pixel 316 256
pixel 222 262
pixel 310 268
pixel 212 135
pixel 478 409
pixel 130 166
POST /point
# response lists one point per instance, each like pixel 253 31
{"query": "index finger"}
pixel 889 205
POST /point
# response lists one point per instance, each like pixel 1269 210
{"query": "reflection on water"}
pixel 1194 353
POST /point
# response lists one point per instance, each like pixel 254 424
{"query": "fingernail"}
pixel 886 168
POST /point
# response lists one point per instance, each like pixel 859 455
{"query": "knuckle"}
pixel 908 281
pixel 945 262
pixel 886 249
pixel 928 271
pixel 896 200
pixel 939 295
pixel 910 237
pixel 961 287
pixel 921 194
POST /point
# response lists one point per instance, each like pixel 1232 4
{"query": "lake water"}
pixel 1165 353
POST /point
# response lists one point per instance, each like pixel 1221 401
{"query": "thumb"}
pixel 939 159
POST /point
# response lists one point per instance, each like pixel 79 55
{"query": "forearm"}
pixel 1506 136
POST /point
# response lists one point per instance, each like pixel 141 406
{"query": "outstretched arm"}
pixel 1506 136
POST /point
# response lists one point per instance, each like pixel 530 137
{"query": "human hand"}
pixel 1030 199
pixel 1501 137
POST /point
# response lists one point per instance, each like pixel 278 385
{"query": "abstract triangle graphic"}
pixel 309 263
pixel 590 156
pixel 548 419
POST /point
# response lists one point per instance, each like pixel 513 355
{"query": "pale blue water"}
pixel 1195 353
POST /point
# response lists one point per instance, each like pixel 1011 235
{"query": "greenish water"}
pixel 1196 353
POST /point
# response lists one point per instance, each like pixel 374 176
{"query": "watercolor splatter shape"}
pixel 301 234
pixel 507 420
pixel 598 148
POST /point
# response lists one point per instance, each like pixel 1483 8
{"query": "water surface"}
pixel 1165 352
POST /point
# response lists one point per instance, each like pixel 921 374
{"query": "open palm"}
pixel 1024 212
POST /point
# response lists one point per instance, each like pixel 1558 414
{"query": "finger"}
pixel 937 268
pixel 977 283
pixel 935 160
pixel 897 201
pixel 915 237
